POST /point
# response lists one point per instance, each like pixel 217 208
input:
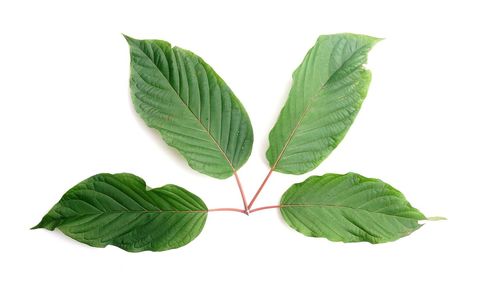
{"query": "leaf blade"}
pixel 349 208
pixel 327 92
pixel 120 210
pixel 181 96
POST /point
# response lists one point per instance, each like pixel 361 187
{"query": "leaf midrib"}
pixel 341 207
pixel 194 115
pixel 306 110
pixel 143 212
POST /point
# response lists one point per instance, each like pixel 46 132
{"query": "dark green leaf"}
pixel 349 208
pixel 181 96
pixel 327 92
pixel 121 210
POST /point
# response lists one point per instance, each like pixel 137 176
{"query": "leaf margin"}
pixel 309 233
pixel 275 160
pixel 45 223
pixel 247 144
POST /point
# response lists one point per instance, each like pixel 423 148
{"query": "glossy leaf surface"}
pixel 120 210
pixel 327 92
pixel 181 96
pixel 349 208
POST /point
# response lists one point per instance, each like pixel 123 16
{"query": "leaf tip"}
pixel 39 225
pixel 47 223
pixel 437 218
pixel 377 39
pixel 129 39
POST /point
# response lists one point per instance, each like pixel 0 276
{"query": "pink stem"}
pixel 227 210
pixel 240 187
pixel 265 208
pixel 260 189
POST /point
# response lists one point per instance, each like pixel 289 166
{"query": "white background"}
pixel 429 127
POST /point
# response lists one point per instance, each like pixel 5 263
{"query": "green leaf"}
pixel 178 94
pixel 120 210
pixel 327 92
pixel 349 208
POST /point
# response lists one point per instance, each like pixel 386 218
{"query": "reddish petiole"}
pixel 247 207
